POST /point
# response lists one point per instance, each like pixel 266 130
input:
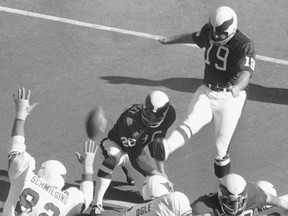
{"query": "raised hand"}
pixel 23 108
pixel 87 159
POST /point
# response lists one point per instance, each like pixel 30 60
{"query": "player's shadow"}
pixel 184 84
pixel 119 191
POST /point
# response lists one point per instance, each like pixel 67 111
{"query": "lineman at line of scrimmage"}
pixel 40 193
pixel 160 200
pixel 235 197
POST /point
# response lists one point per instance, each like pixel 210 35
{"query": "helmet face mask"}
pixel 154 109
pixel 232 194
pixel 223 25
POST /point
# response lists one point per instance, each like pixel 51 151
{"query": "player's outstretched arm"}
pixel 277 202
pixel 23 109
pixel 183 38
pixel 87 161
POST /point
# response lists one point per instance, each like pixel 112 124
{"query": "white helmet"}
pixel 222 22
pixel 232 194
pixel 155 186
pixel 51 171
pixel 155 108
pixel 267 187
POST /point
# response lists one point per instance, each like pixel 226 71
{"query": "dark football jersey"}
pixel 131 134
pixel 223 63
pixel 209 204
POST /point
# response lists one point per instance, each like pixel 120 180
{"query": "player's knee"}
pixel 107 168
pixel 222 166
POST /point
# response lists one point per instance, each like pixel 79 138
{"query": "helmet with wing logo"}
pixel 155 108
pixel 232 194
pixel 223 24
pixel 155 186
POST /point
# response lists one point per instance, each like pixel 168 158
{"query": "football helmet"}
pixel 155 108
pixel 223 24
pixel 155 186
pixel 52 172
pixel 267 187
pixel 232 194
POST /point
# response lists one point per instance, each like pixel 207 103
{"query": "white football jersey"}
pixel 28 191
pixel 171 204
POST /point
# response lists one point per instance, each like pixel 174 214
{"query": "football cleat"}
pixel 232 194
pixel 96 210
pixel 155 108
pixel 223 24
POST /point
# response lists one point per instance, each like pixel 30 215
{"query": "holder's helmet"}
pixel 155 108
pixel 232 194
pixel 52 172
pixel 223 24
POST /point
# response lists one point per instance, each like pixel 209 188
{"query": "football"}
pixel 95 122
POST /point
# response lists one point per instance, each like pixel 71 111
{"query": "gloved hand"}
pixel 23 108
pixel 87 159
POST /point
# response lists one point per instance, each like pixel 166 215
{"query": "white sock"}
pixel 101 187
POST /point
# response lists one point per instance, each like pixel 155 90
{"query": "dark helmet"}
pixel 232 194
pixel 155 108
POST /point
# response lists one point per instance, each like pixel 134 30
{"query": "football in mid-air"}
pixel 95 122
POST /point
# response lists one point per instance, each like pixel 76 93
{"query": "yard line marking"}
pixel 113 29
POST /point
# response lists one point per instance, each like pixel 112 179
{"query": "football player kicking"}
pixel 160 200
pixel 136 128
pixel 229 64
pixel 235 196
pixel 41 193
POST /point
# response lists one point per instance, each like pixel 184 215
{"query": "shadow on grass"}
pixel 183 84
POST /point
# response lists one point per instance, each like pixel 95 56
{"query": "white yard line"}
pixel 112 29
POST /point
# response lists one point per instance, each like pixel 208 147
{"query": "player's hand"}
pixel 235 90
pixel 163 40
pixel 171 184
pixel 87 159
pixel 23 108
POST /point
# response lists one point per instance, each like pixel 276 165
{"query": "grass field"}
pixel 77 54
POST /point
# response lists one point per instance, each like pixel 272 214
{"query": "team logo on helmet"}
pixel 232 194
pixel 223 24
pixel 155 108
pixel 155 186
